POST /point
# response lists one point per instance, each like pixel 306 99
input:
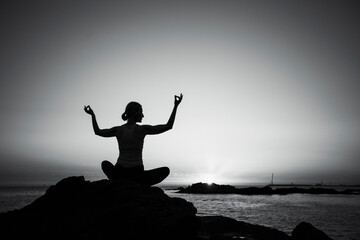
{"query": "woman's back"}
pixel 130 139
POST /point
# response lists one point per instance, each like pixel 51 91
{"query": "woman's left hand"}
pixel 88 110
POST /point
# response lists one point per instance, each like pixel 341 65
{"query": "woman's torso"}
pixel 130 140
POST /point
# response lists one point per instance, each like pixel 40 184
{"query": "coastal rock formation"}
pixel 79 209
pixel 204 188
pixel 307 231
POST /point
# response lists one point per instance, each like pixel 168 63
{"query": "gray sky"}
pixel 269 87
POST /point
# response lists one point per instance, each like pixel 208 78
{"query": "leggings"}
pixel 136 174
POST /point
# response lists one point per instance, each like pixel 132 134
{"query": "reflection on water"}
pixel 337 215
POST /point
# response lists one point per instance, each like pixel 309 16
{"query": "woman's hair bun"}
pixel 124 116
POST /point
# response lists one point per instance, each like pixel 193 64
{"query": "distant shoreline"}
pixel 204 188
pixel 315 186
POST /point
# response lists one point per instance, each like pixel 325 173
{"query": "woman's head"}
pixel 133 111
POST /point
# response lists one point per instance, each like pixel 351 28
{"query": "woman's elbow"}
pixel 168 127
pixel 98 133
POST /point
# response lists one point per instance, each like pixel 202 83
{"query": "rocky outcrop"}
pixel 204 188
pixel 307 231
pixel 79 209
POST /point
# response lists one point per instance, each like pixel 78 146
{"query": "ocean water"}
pixel 16 197
pixel 336 215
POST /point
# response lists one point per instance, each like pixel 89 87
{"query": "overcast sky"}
pixel 269 87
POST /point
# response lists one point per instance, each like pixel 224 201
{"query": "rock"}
pixel 306 231
pixel 205 188
pixel 79 209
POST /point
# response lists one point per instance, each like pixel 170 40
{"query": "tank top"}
pixel 131 142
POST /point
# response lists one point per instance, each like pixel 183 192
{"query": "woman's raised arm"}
pixel 100 132
pixel 169 125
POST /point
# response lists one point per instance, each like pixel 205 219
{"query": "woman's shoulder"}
pixel 117 129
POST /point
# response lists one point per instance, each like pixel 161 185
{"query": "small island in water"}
pixel 213 188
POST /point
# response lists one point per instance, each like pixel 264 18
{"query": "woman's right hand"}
pixel 88 110
pixel 178 99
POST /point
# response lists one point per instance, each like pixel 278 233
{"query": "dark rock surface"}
pixel 307 231
pixel 79 209
pixel 204 188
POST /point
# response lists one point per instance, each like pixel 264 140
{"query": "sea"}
pixel 337 215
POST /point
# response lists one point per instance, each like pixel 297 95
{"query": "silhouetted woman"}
pixel 130 137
